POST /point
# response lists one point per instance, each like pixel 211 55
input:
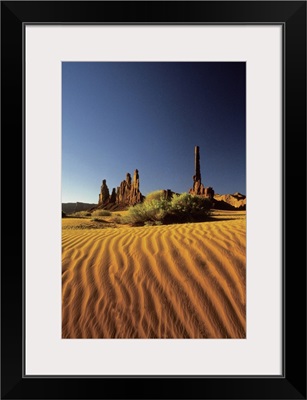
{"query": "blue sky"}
pixel 122 116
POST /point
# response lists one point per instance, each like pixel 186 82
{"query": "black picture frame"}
pixel 292 383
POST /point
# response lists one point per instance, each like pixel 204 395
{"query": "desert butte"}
pixel 170 281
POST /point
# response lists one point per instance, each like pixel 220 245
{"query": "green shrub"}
pixel 188 203
pixel 150 210
pixel 181 208
pixel 188 208
pixel 81 214
pixel 118 219
pixel 101 213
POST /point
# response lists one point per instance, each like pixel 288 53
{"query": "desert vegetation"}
pixel 80 214
pixel 157 210
pixel 101 213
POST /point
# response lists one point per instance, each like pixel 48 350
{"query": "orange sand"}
pixel 172 281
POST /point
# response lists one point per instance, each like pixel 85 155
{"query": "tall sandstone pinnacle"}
pixel 123 190
pixel 104 193
pixel 135 194
pixel 197 176
pixel 198 188
pixel 128 193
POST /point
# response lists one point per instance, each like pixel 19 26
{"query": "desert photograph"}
pixel 154 200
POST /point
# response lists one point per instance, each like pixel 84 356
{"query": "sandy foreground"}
pixel 171 281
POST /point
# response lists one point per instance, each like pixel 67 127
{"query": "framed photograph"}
pixel 159 152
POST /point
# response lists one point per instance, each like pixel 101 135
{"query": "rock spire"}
pixel 128 193
pixel 198 188
pixel 104 193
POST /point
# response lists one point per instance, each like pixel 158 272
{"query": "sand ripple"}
pixel 175 281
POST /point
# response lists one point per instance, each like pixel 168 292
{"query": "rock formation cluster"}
pixel 129 190
pixel 127 193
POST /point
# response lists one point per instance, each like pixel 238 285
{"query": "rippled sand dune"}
pixel 172 281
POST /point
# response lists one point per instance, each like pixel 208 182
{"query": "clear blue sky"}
pixel 122 116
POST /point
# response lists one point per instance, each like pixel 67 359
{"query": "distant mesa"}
pixel 236 201
pixel 70 208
